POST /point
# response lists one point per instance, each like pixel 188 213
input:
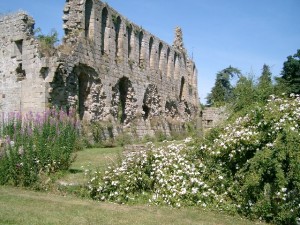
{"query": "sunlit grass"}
pixel 92 159
pixel 19 206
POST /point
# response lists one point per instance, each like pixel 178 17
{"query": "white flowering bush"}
pixel 250 166
pixel 167 175
pixel 258 157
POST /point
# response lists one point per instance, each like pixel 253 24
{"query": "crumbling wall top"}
pixel 178 40
pixel 16 24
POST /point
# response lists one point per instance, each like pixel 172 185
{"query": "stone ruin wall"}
pixel 22 88
pixel 212 117
pixel 107 68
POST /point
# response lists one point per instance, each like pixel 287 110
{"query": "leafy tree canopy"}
pixel 265 86
pixel 221 93
pixel 290 79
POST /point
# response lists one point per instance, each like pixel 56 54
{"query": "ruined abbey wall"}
pixel 21 87
pixel 107 68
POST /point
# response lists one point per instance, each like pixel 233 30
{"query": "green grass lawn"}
pixel 92 159
pixel 19 206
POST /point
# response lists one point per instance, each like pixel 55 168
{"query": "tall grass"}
pixel 36 144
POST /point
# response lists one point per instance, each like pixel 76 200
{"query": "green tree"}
pixel 290 80
pixel 245 94
pixel 221 93
pixel 265 87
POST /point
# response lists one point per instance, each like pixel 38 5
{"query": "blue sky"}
pixel 217 33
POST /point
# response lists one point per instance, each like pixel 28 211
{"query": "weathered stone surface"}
pixel 213 116
pixel 107 68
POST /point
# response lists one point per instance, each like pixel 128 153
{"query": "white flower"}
pixel 183 191
pixel 283 189
pixel 195 190
pixel 269 145
pixel 114 183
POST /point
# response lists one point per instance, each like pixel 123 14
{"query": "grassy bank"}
pixel 19 206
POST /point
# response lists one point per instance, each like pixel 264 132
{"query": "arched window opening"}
pixel 151 102
pixel 124 88
pixel 175 58
pixel 176 66
pixel 168 62
pixel 103 29
pixel 184 60
pixel 194 76
pixel 141 36
pixel 83 92
pixel 129 34
pixel 160 46
pixel 181 89
pixel 150 52
pixel 89 19
pixel 117 30
pixel 146 111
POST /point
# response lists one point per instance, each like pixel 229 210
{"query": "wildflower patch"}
pixel 36 145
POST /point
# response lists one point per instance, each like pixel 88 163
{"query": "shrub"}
pixel 251 166
pixel 167 175
pixel 160 136
pixel 124 139
pixel 36 145
pixel 258 157
pixel 47 42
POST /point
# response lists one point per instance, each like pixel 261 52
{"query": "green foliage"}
pixel 160 136
pixel 248 93
pixel 290 80
pixel 124 139
pixel 97 131
pixel 221 93
pixel 98 134
pixel 245 94
pixel 250 166
pixel 258 159
pixel 47 42
pixel 36 146
pixel 265 87
pixel 165 175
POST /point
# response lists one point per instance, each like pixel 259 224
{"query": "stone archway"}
pixel 123 101
pixel 171 108
pixel 58 90
pixel 151 102
pixel 86 93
